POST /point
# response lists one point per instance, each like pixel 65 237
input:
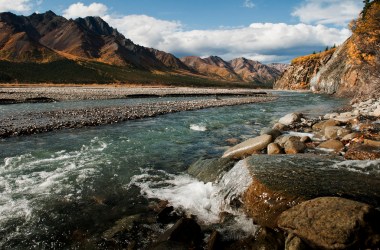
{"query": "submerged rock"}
pixel 248 147
pixel 333 223
pixel 282 181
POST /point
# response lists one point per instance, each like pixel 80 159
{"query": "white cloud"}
pixel 248 4
pixel 335 12
pixel 80 10
pixel 266 42
pixel 15 5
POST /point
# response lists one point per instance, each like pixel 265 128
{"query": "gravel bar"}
pixel 39 122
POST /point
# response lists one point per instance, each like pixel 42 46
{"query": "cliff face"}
pixel 302 70
pixel 352 70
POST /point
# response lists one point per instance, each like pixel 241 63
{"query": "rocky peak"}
pixel 96 25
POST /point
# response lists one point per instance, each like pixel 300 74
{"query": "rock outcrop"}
pixel 351 70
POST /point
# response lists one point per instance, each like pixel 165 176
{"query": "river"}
pixel 56 184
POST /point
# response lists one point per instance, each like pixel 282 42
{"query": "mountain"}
pixel 239 69
pixel 212 66
pixel 89 50
pixel 352 70
pixel 254 71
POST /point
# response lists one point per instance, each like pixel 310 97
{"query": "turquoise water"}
pixel 54 184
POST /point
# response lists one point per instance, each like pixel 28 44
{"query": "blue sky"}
pixel 264 30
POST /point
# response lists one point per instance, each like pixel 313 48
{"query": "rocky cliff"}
pixel 351 71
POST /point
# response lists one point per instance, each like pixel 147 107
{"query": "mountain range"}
pixel 45 43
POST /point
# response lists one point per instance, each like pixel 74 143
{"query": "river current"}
pixel 56 183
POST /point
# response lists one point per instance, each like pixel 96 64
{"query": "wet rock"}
pixel 248 147
pixel 334 132
pixel 268 239
pixel 290 118
pixel 282 181
pixel 294 147
pixel 376 112
pixel 185 231
pixel 305 139
pixel 273 132
pixel 334 145
pixel 232 141
pixel 124 224
pixel 362 152
pixel 214 241
pixel 274 149
pixel 333 223
pixel 210 169
pixel 351 136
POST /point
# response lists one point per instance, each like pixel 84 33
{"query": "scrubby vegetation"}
pixel 68 71
pixel 313 57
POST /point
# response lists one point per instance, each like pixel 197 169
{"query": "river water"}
pixel 55 184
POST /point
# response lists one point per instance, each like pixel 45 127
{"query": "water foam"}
pixel 26 180
pixel 364 167
pixel 198 127
pixel 206 201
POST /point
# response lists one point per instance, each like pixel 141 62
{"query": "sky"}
pixel 262 30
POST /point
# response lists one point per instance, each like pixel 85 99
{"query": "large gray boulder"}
pixel 333 223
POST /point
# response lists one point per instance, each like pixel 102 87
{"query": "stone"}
pixel 185 231
pixel 248 147
pixel 273 132
pixel 214 241
pixel 232 141
pixel 279 182
pixel 294 147
pixel 371 143
pixel 268 239
pixel 122 225
pixel 290 118
pixel 281 140
pixel 210 169
pixel 362 152
pixel 351 136
pixel 376 112
pixel 334 145
pixel 334 132
pixel 305 139
pixel 333 223
pixel 279 126
pixel 293 242
pixel 320 126
pixel 274 149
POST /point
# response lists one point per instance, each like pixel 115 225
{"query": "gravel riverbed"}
pixel 39 122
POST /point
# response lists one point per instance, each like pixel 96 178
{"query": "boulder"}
pixel 273 132
pixel 279 126
pixel 334 145
pixel 294 147
pixel 274 149
pixel 376 112
pixel 248 147
pixel 279 182
pixel 290 118
pixel 281 140
pixel 334 132
pixel 362 152
pixel 371 143
pixel 333 223
pixel 320 126
pixel 293 242
pixel 210 169
pixel 351 136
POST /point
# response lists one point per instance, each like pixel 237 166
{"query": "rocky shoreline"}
pixel 306 191
pixel 39 122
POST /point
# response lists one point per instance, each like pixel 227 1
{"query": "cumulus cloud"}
pixel 266 42
pixel 335 12
pixel 249 4
pixel 80 10
pixel 15 5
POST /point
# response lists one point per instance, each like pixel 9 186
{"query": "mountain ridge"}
pixel 47 37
